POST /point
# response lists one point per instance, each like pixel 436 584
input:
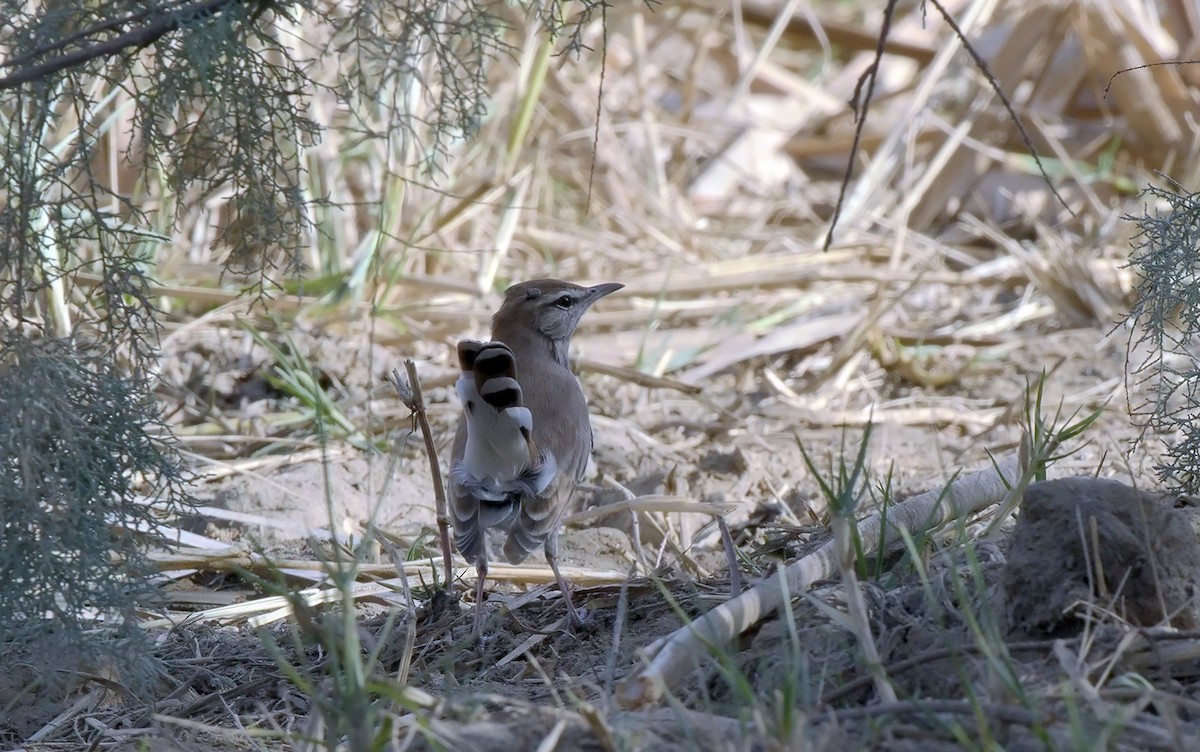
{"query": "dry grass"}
pixel 955 276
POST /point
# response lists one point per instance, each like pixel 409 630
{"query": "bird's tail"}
pixel 536 518
pixel 500 467
pixel 499 426
pixel 470 530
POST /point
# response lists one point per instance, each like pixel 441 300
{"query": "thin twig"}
pixel 415 401
pixel 860 103
pixel 410 627
pixel 635 528
pixel 982 65
pixel 1001 713
pixel 922 659
pixel 735 574
pixel 610 669
pixel 599 726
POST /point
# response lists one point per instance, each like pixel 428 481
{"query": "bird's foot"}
pixel 577 618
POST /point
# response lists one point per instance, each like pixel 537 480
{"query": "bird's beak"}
pixel 595 292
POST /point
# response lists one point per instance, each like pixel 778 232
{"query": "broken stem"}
pixel 415 401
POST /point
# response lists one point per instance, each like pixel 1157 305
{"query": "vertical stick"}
pixel 735 574
pixel 415 401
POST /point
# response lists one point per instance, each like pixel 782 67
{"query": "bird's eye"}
pixel 564 302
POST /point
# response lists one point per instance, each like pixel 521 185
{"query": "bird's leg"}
pixel 564 587
pixel 481 569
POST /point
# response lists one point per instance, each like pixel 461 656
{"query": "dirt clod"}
pixel 1086 540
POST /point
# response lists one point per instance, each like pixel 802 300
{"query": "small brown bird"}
pixel 525 436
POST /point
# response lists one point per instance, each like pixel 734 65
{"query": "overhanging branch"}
pixel 157 24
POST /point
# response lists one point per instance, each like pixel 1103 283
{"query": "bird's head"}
pixel 549 307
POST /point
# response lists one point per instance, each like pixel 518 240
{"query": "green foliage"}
pixel 213 103
pixel 74 525
pixel 843 488
pixel 294 375
pixel 219 94
pixel 221 106
pixel 1042 443
pixel 1166 255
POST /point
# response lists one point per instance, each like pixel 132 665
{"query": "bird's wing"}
pixel 568 442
